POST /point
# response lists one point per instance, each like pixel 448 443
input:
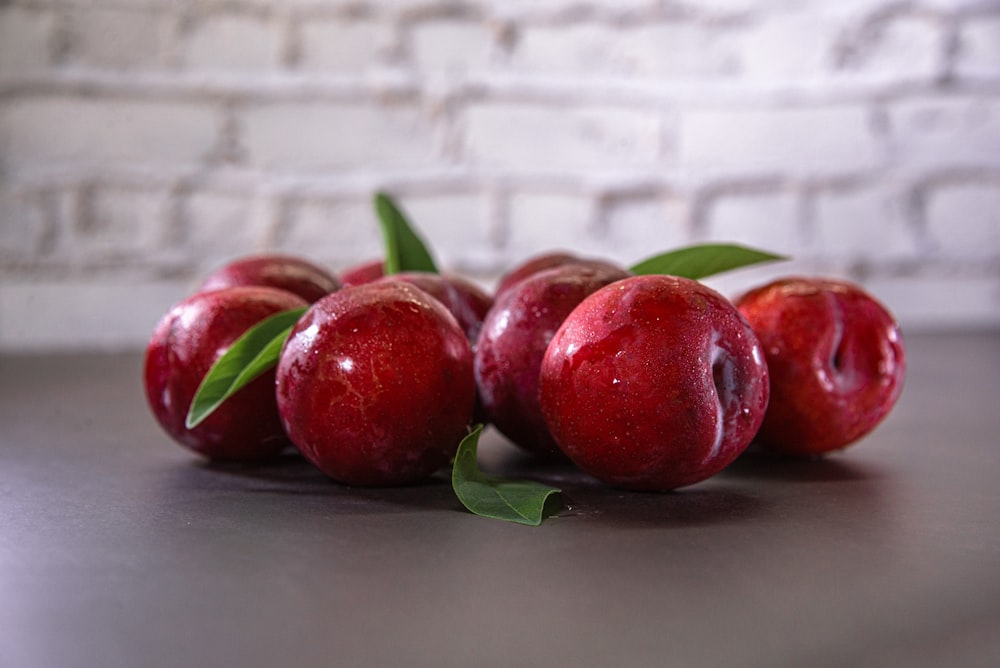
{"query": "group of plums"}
pixel 649 382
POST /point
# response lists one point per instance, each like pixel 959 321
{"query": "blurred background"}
pixel 146 142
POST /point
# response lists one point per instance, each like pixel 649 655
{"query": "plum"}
pixel 288 272
pixel 375 384
pixel 515 334
pixel 836 358
pixel 653 383
pixel 183 347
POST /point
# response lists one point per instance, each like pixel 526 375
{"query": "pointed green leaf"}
pixel 252 354
pixel 519 501
pixel 703 260
pixel 404 249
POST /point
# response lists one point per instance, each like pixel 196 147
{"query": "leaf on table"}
pixel 520 501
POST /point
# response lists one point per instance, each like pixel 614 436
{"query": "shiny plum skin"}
pixel 837 362
pixel 375 385
pixel 287 272
pixel 185 344
pixel 543 262
pixel 515 334
pixel 365 272
pixel 653 383
pixel 463 299
pixel 531 266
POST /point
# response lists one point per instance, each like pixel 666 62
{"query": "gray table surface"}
pixel 118 548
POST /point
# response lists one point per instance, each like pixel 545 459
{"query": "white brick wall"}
pixel 144 143
pixel 557 138
pixel 25 36
pixel 789 141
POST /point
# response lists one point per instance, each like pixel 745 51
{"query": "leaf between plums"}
pixel 519 501
pixel 703 260
pixel 252 354
pixel 404 249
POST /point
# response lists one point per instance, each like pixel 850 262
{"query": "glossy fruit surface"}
pixel 375 385
pixel 463 299
pixel 366 272
pixel 515 334
pixel 837 362
pixel 539 263
pixel 184 346
pixel 287 272
pixel 653 383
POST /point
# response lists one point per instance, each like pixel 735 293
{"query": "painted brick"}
pixel 794 141
pixel 907 48
pixel 22 224
pixel 341 47
pixel 48 131
pixel 109 313
pixel 319 136
pixel 963 221
pixel 126 223
pixel 25 36
pixel 788 46
pixel 451 46
pixel 768 220
pixel 220 226
pixel 979 48
pixel 455 226
pixel 232 42
pixel 662 50
pixel 118 38
pixel 865 223
pixel 540 222
pixel 339 233
pixel 638 227
pixel 940 302
pixel 946 131
pixel 560 138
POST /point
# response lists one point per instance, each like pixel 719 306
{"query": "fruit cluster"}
pixel 643 379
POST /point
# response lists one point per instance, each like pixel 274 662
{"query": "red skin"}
pixel 537 264
pixel 363 273
pixel 836 358
pixel 463 299
pixel 185 345
pixel 653 383
pixel 287 272
pixel 375 385
pixel 513 340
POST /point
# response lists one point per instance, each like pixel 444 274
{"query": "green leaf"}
pixel 404 249
pixel 517 501
pixel 252 354
pixel 703 260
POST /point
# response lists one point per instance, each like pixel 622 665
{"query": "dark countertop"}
pixel 118 548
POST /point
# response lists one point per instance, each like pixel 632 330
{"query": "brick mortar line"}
pixel 569 11
pixel 112 263
pixel 611 184
pixel 401 86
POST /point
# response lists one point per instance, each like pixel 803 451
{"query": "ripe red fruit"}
pixel 363 273
pixel 515 334
pixel 287 272
pixel 185 344
pixel 463 299
pixel 653 383
pixel 539 263
pixel 375 385
pixel 836 358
